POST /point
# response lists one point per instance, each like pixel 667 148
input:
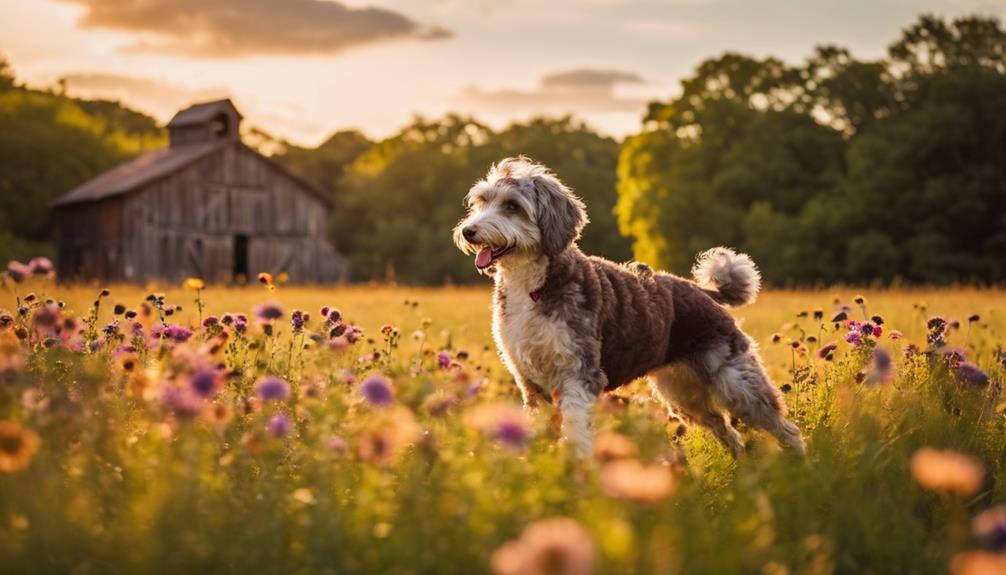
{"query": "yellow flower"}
pixel 948 471
pixel 630 479
pixel 195 283
pixel 555 546
pixel 17 446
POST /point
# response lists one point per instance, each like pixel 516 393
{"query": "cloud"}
pixel 583 90
pixel 156 98
pixel 234 28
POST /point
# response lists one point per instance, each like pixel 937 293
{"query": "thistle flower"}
pixel 171 332
pixel 974 318
pixel 119 309
pixel 204 382
pixel 444 360
pixel 265 278
pixel 272 388
pixel 967 373
pixel 40 266
pixel 279 425
pixel 818 314
pixel 268 312
pixel 555 546
pixel 211 321
pixel 297 321
pixel 855 338
pixel 894 334
pixel 948 472
pixel 17 446
pixel 827 351
pixel 630 479
pixel 377 390
pixel 17 271
pixel 182 402
pixel 989 527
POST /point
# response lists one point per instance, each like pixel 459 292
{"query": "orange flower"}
pixel 17 446
pixel 611 446
pixel 555 546
pixel 978 563
pixel 630 479
pixel 948 471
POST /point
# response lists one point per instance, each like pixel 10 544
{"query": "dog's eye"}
pixel 511 206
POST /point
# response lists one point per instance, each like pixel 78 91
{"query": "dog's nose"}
pixel 469 233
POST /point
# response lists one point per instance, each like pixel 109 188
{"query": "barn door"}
pixel 240 272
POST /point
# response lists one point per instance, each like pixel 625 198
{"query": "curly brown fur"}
pixel 572 326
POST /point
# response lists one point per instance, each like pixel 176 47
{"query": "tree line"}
pixel 833 169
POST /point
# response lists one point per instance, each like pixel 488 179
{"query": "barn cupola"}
pixel 205 122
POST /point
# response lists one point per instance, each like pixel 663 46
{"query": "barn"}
pixel 206 206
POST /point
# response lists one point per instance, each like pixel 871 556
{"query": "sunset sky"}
pixel 302 69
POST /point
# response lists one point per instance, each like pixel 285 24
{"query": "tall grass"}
pixel 131 477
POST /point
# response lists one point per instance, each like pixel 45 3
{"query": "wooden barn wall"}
pixel 187 224
pixel 90 243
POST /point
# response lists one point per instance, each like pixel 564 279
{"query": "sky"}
pixel 302 69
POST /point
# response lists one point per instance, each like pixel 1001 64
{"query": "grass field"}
pixel 405 450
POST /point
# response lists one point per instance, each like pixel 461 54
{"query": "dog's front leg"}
pixel 576 404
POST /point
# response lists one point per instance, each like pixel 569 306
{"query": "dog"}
pixel 570 326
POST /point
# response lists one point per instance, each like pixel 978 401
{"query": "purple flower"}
pixel 511 433
pixel 111 330
pixel 17 271
pixel 269 311
pixel 40 266
pixel 377 390
pixel 211 321
pixel 272 388
pixel 279 426
pixel 204 381
pixel 881 368
pixel 182 402
pixel 297 321
pixel 855 338
pixel 334 315
pixel 827 350
pixel 990 528
pixel 175 333
pixel 866 328
pixel 968 373
pixel 444 360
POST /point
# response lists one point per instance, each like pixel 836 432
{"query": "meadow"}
pixel 163 431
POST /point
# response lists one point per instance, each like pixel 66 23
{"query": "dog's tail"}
pixel 728 277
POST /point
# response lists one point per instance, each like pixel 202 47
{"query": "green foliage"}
pixel 837 169
pixel 131 480
pixel 398 201
pixel 325 165
pixel 49 144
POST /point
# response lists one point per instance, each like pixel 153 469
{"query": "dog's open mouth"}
pixel 487 256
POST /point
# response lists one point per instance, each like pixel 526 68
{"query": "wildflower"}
pixel 388 435
pixel 776 337
pixel 894 334
pixel 388 329
pixel 377 390
pixel 978 563
pixel 204 382
pixel 444 360
pixel 171 332
pixel 268 312
pixel 182 402
pixel 952 356
pixel 17 271
pixel 337 444
pixel 840 317
pixel 974 318
pixel 989 527
pixel 111 331
pixel 881 368
pixel 877 319
pixel 505 423
pixel 211 321
pixel 968 373
pixel 611 446
pixel 859 299
pixel 279 425
pixel 17 446
pixel 297 321
pixel 818 314
pixel 855 338
pixel 272 388
pixel 629 479
pixel 334 315
pixel 438 404
pixel 40 266
pixel 937 327
pixel 195 283
pixel 948 471
pixel 827 351
pixel 554 546
pixel 265 278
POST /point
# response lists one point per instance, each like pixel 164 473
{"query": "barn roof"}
pixel 201 113
pixel 137 172
pixel 157 164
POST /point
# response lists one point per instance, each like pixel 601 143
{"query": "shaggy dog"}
pixel 573 326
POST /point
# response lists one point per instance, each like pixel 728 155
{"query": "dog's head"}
pixel 520 210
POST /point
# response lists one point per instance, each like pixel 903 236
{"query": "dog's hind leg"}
pixel 743 387
pixel 689 397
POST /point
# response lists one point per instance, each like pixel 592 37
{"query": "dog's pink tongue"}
pixel 484 258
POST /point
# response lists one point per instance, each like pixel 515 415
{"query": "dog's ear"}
pixel 561 215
